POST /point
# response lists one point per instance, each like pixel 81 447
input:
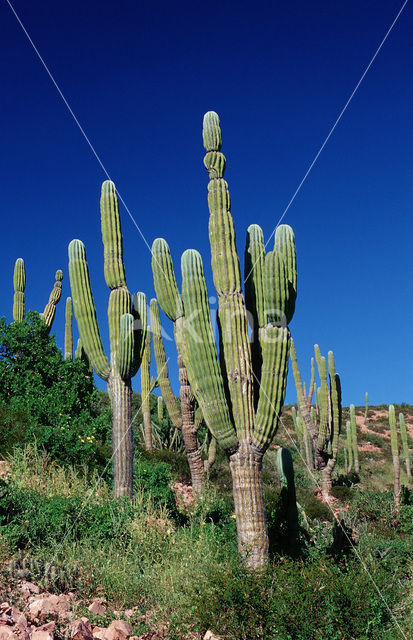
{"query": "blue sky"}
pixel 139 77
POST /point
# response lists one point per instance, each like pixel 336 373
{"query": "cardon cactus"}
pixel 55 295
pixel 405 444
pixel 285 470
pixel 394 441
pixel 325 431
pixel 19 282
pixel 69 330
pixel 160 408
pixel 183 417
pixel 354 438
pixel 146 392
pixel 127 331
pixel 241 392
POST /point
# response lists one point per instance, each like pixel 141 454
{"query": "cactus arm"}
pixel 284 244
pixel 349 446
pixel 68 330
pixel 198 419
pixel 276 348
pixel 145 392
pixel 164 280
pixel 114 269
pixel 126 345
pixel 227 280
pixel 84 308
pixel 140 327
pixel 405 444
pixel 301 400
pixel 55 295
pixel 312 382
pixel 335 396
pixel 162 367
pixel 206 382
pixel 353 424
pixel 323 431
pixel 160 406
pixel 254 275
pixel 394 441
pixel 19 283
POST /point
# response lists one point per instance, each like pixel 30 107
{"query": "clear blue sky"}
pixel 139 77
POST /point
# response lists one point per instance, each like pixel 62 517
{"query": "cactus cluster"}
pixel 127 332
pixel 241 390
pixel 324 428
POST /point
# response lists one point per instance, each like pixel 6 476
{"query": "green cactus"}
pixel 19 282
pixel 405 444
pixel 353 423
pixel 127 332
pixel 394 441
pixel 160 408
pixel 285 469
pixel 349 441
pixel 183 417
pixel 146 392
pixel 324 433
pixel 367 407
pixel 345 459
pixel 68 330
pixel 55 295
pixel 242 420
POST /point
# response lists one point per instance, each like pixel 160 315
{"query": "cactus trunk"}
pixel 122 436
pixel 247 487
pixel 189 436
pixel 326 484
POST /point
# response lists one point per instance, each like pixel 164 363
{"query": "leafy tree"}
pixel 57 397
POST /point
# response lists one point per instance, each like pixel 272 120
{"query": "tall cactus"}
pixel 127 332
pixel 366 410
pixel 160 408
pixel 55 295
pixel 349 441
pixel 405 444
pixel 354 438
pixel 183 417
pixel 19 282
pixel 394 441
pixel 241 392
pixel 69 330
pixel 325 431
pixel 146 392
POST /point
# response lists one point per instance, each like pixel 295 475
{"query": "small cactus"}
pixel 160 408
pixel 354 439
pixel 394 441
pixel 55 295
pixel 69 330
pixel 19 282
pixel 405 444
pixel 146 392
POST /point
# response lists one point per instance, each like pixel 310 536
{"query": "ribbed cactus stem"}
pixel 349 446
pixel 145 393
pixel 394 441
pixel 56 293
pixel 405 444
pixel 160 408
pixel 312 382
pixel 366 406
pixel 19 283
pixel 69 330
pixel 127 332
pixel 354 438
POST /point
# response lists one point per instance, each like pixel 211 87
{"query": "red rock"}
pixel 99 633
pixel 81 630
pixel 29 587
pixel 118 630
pixel 98 606
pixel 7 633
pixel 38 634
pixel 39 608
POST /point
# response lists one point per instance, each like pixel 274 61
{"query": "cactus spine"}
pixel 405 444
pixel 182 418
pixel 68 330
pixel 394 441
pixel 55 295
pixel 127 332
pixel 353 423
pixel 19 282
pixel 243 420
